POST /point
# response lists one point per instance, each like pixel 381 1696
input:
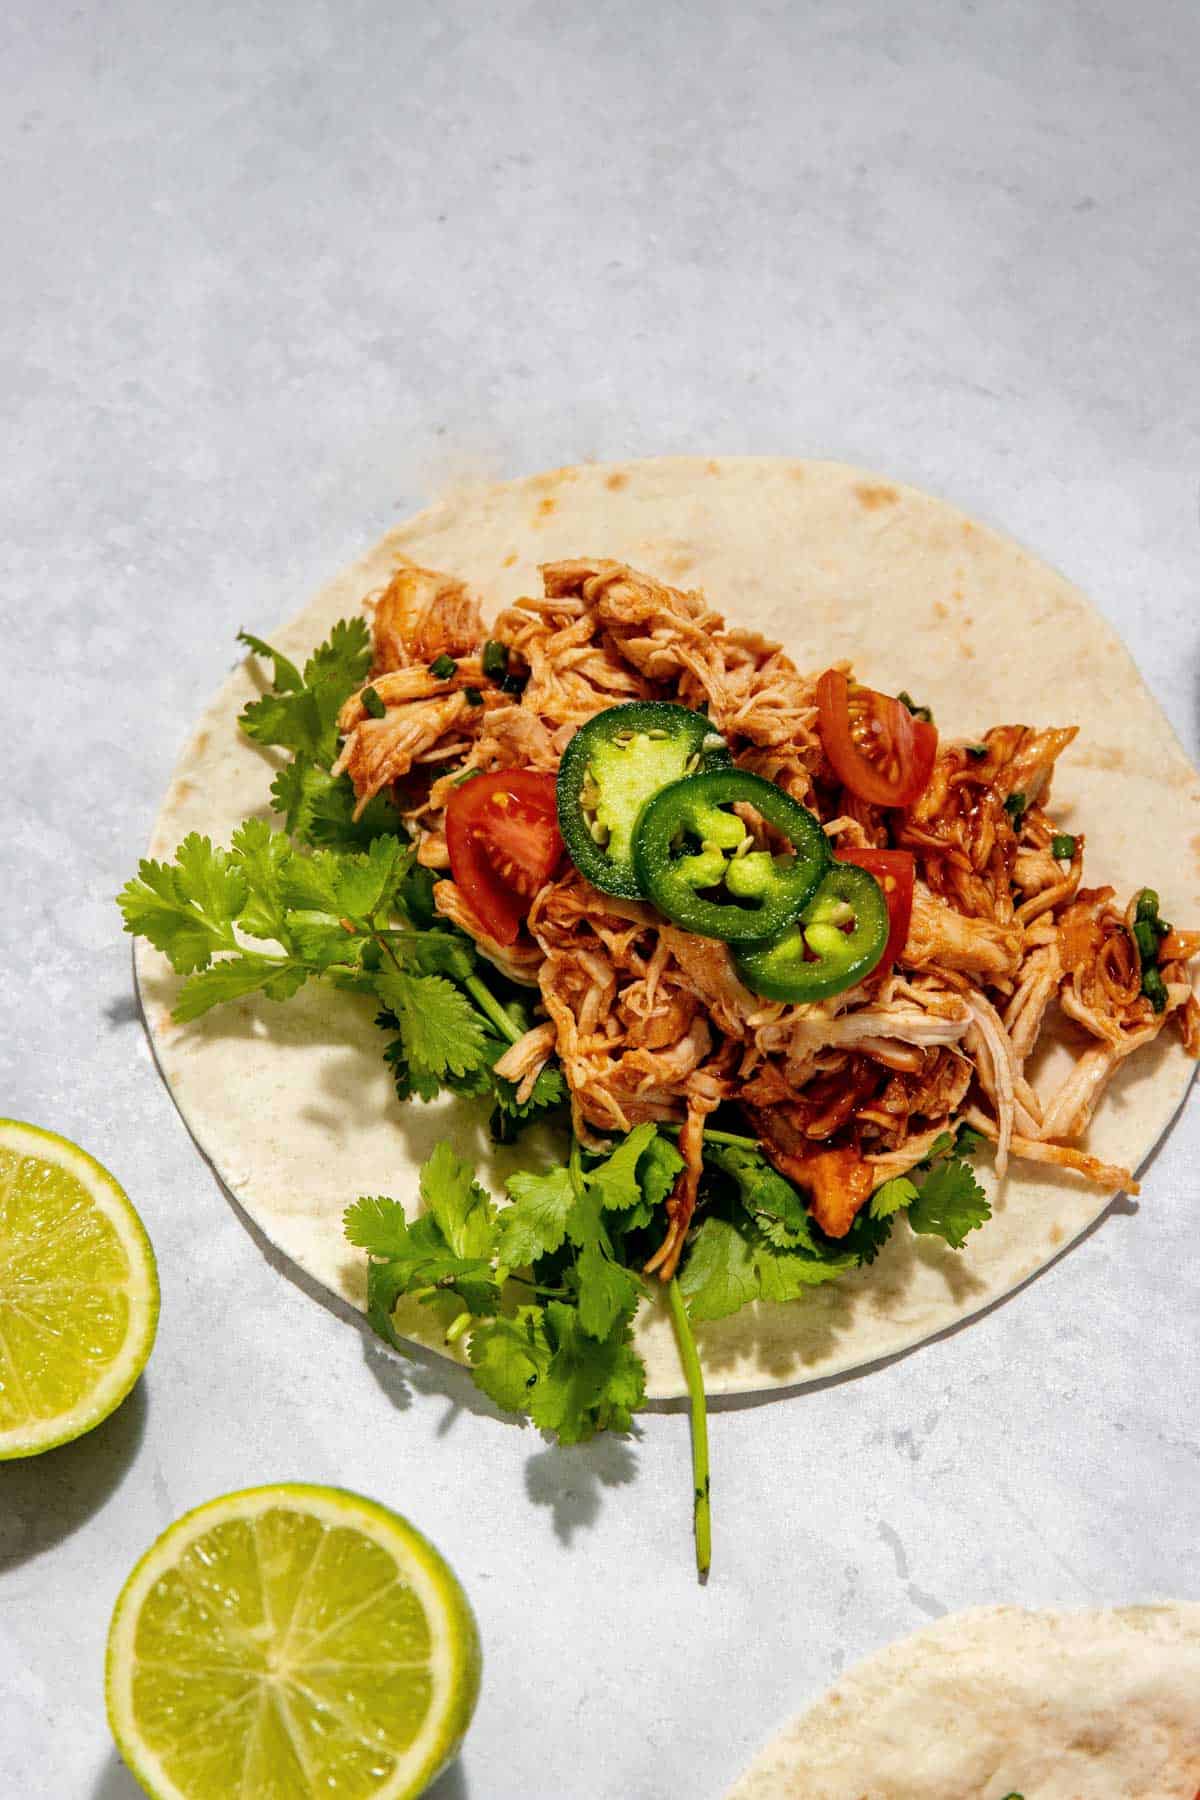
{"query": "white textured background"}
pixel 272 275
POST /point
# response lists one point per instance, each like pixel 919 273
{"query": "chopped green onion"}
pixel 443 667
pixel 373 704
pixel 1062 846
pixel 1015 806
pixel 1147 913
pixel 1148 929
pixel 474 697
pixel 1147 942
pixel 495 660
pixel 514 681
pixel 918 712
pixel 467 775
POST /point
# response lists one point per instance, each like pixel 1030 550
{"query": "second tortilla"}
pixel 1002 1704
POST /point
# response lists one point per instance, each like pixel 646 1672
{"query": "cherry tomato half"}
pixel 878 749
pixel 504 843
pixel 893 870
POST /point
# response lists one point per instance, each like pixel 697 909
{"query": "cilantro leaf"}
pixel 262 855
pixel 892 1197
pixel 462 1209
pixel 440 1030
pixel 430 1272
pixel 509 1356
pixel 730 1265
pixel 419 1257
pixel 186 909
pixel 785 1274
pixel 365 884
pixel 607 1292
pixel 343 660
pixel 318 808
pixel 303 718
pixel 153 908
pixel 323 942
pixel 719 1276
pixel 416 894
pixel 435 952
pixel 615 1180
pixel 770 1199
pixel 285 676
pixel 585 1222
pixel 309 883
pixel 658 1166
pixel 210 878
pixel 589 1384
pixel 330 821
pixel 536 1223
pixel 377 1224
pixel 950 1204
pixel 232 978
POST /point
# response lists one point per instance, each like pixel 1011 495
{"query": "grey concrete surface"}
pixel 274 273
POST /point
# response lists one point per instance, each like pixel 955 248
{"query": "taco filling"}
pixel 851 1038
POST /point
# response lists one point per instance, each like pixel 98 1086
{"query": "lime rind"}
pixel 454 1660
pixel 97 1400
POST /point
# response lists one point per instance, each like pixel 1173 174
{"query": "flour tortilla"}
pixel 292 1102
pixel 1051 1706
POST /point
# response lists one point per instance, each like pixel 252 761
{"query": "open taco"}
pixel 1050 1018
pixel 1002 1704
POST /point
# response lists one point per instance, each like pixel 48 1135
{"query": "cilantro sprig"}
pixel 342 900
pixel 299 714
pixel 543 1289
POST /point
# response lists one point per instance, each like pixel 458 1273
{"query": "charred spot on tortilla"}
pixel 873 495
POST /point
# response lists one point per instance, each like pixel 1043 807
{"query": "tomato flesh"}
pixel 893 870
pixel 877 748
pixel 504 843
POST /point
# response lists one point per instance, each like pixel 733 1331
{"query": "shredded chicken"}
pixel 526 1059
pixel 421 615
pixel 378 752
pixel 650 1022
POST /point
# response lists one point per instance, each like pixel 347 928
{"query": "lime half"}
pixel 287 1642
pixel 78 1291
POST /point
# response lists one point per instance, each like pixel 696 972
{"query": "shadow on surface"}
pixel 423 1371
pixel 114 1782
pixel 452 1785
pixel 124 1010
pixel 570 1480
pixel 43 1499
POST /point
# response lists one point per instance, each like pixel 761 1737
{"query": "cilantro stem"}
pixel 702 1517
pixel 547 1293
pixel 487 1003
pixel 381 939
